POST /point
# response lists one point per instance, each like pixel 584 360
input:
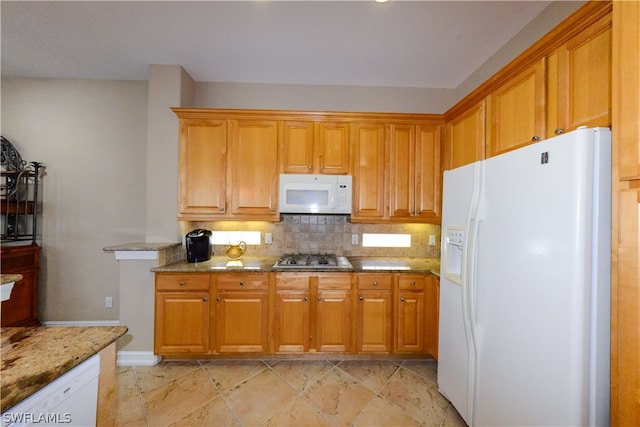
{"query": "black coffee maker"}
pixel 198 245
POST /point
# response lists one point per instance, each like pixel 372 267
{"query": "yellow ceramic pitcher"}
pixel 236 250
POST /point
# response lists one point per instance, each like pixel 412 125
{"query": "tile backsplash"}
pixel 325 234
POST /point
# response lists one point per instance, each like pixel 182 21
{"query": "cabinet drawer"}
pixel 411 283
pixel 242 281
pixel 334 281
pixel 292 281
pixel 182 282
pixel 374 281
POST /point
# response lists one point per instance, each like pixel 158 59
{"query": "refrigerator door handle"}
pixel 468 288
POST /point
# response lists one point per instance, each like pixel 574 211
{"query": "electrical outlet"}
pixel 268 238
pixel 432 240
pixel 354 239
pixel 108 302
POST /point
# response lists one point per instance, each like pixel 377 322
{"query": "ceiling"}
pixel 419 44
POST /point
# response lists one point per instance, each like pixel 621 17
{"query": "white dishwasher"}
pixel 70 400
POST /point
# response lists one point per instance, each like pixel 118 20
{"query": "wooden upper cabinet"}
pixel 626 87
pixel 464 138
pixel 414 173
pixel 402 173
pixel 516 111
pixel 428 173
pixel 368 170
pixel 332 148
pixel 253 163
pixel 579 80
pixel 202 166
pixel 309 147
pixel 297 147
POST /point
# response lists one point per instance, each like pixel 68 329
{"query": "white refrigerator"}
pixel 525 284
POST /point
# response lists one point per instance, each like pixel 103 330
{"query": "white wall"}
pixel 323 98
pixel 91 136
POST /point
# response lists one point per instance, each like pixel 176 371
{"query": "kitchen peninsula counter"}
pixel 266 264
pixel 33 357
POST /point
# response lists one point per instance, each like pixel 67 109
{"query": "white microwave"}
pixel 315 194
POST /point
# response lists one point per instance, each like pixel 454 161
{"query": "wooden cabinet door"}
pixel 626 87
pixel 297 147
pixel 332 148
pixel 464 142
pixel 432 315
pixel 373 315
pixel 410 319
pixel 402 173
pixel 516 111
pixel 410 322
pixel 181 323
pixel 292 315
pixel 242 322
pixel 368 170
pixel 253 161
pixel 333 313
pixel 428 186
pixel 202 169
pixel 579 81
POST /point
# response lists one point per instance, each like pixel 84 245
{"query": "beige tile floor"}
pixel 283 393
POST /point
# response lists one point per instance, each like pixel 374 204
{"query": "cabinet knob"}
pixel 309 167
pixel 181 283
pixel 375 283
pixel 413 283
pixel 321 167
pixel 558 131
pixel 361 298
pixel 221 208
pixel 241 283
pixel 218 299
pixel 205 299
pixel 402 299
pixel 535 138
pixel 306 298
pixel 319 299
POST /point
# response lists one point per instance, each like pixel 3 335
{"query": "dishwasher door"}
pixel 70 400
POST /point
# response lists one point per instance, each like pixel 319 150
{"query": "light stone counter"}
pixel 265 264
pixel 31 358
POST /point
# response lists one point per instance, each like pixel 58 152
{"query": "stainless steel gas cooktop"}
pixel 316 261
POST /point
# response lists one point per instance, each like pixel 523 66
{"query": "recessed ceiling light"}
pixel 381 1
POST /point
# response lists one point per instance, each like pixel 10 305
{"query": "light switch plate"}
pixel 268 238
pixel 354 239
pixel 432 240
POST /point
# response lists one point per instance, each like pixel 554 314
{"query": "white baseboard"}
pixel 80 322
pixel 137 358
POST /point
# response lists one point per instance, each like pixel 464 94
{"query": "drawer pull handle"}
pixel 181 283
pixel 205 299
pixel 375 283
pixel 559 131
pixel 402 299
pixel 319 299
pixel 413 283
pixel 306 298
pixel 241 283
pixel 361 298
pixel 218 299
pixel 535 138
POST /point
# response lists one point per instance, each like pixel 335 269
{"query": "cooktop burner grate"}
pixel 312 261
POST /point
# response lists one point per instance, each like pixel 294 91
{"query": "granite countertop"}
pixel 140 246
pixel 265 264
pixel 31 358
pixel 10 278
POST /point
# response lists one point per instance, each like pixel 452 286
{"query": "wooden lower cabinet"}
pixel 410 319
pixel 333 313
pixel 292 313
pixel 242 313
pixel 21 309
pixel 374 313
pixel 182 314
pixel 295 313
